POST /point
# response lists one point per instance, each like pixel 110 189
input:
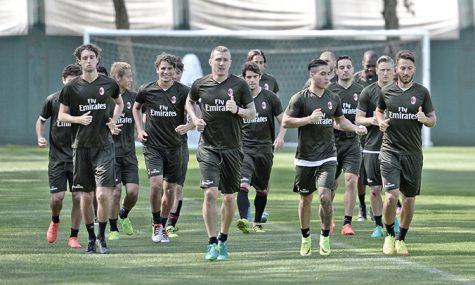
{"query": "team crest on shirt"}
pixel 264 105
pixel 355 96
pixel 266 86
pixel 101 90
pixel 129 105
pixel 230 92
pixel 330 105
pixel 413 100
pixel 173 99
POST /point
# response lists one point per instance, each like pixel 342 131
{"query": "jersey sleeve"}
pixel 185 90
pixel 140 98
pixel 294 107
pixel 246 96
pixel 427 106
pixel 363 102
pixel 276 87
pixel 381 102
pixel 194 93
pixel 276 105
pixel 338 108
pixel 65 95
pixel 115 90
pixel 47 109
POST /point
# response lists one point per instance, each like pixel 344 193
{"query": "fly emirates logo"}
pixel 324 121
pixel 348 109
pixel 219 106
pixel 163 111
pixel 123 119
pixel 402 114
pixel 92 105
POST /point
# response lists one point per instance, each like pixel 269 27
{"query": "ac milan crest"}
pixel 101 90
pixel 330 105
pixel 266 86
pixel 230 92
pixel 355 97
pixel 264 105
pixel 129 105
pixel 413 100
pixel 173 99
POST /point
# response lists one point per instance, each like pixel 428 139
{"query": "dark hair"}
pixel 343 57
pixel 253 52
pixel 250 66
pixel 97 50
pixel 405 54
pixel 102 69
pixel 316 63
pixel 179 63
pixel 167 58
pixel 71 70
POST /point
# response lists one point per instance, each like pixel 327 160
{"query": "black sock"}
pixel 325 233
pixel 55 219
pixel 399 203
pixel 305 232
pixel 243 203
pixel 260 203
pixel 347 220
pixel 90 231
pixel 402 234
pixel 102 231
pixel 390 229
pixel 213 240
pixel 163 222
pixel 74 232
pixel 124 213
pixel 378 220
pixel 361 198
pixel 222 237
pixel 156 217
pixel 113 225
pixel 173 217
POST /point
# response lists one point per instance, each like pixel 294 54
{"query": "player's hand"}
pixel 361 130
pixel 278 143
pixel 231 105
pixel 113 127
pixel 142 136
pixel 384 125
pixel 85 119
pixel 374 122
pixel 181 129
pixel 421 116
pixel 42 142
pixel 316 116
pixel 200 125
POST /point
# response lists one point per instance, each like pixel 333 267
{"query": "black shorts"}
pixel 348 155
pixel 372 166
pixel 256 167
pixel 308 178
pixel 401 172
pixel 220 168
pixel 362 178
pixel 60 174
pixel 163 162
pixel 185 154
pixel 93 167
pixel 127 169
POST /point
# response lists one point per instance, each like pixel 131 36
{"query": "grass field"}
pixel 442 237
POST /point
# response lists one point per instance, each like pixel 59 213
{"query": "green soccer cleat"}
pixel 211 252
pixel 389 245
pixel 114 235
pixel 257 228
pixel 306 246
pixel 401 247
pixel 126 225
pixel 243 226
pixel 324 245
pixel 377 232
pixel 172 232
pixel 223 250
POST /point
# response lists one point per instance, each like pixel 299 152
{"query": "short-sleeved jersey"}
pixel 349 101
pixel 367 103
pixel 124 142
pixel 223 129
pixel 260 131
pixel 403 136
pixel 268 82
pixel 59 132
pixel 81 97
pixel 165 110
pixel 364 81
pixel 315 141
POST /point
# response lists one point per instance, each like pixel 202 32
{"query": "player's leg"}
pixel 243 203
pixel 362 213
pixel 260 181
pixel 178 201
pixel 351 165
pixel 114 213
pixel 56 204
pixel 130 199
pixel 57 176
pixel 168 197
pixel 75 219
pixel 325 179
pixel 373 178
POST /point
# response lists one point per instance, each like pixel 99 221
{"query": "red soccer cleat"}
pixel 52 232
pixel 347 230
pixel 73 242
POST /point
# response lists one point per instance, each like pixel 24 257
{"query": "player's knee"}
pixel 375 191
pixel 76 197
pixel 228 198
pixel 391 198
pixel 262 193
pixel 102 197
pixel 351 179
pixel 306 200
pixel 57 199
pixel 244 187
pixel 211 195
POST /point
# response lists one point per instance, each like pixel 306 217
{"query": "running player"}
pixel 329 57
pixel 313 111
pixel 126 164
pixel 223 100
pixel 84 104
pixel 347 143
pixel 408 106
pixel 164 103
pixel 60 167
pixel 259 143
pixel 267 81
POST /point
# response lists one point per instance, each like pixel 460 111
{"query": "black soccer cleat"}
pixel 91 247
pixel 102 246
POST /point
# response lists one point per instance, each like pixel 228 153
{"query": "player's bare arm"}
pixel 65 116
pixel 191 109
pixel 290 122
pixel 428 120
pixel 119 106
pixel 39 128
pixel 382 122
pixel 137 113
pixel 348 126
pixel 361 119
pixel 279 140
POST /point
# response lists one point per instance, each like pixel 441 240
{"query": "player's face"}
pixel 345 69
pixel 68 78
pixel 178 74
pixel 220 63
pixel 127 80
pixel 405 70
pixel 252 79
pixel 88 61
pixel 369 67
pixel 165 71
pixel 259 60
pixel 320 76
pixel 385 72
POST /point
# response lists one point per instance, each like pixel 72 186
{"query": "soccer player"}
pixel 60 167
pixel 126 164
pixel 267 81
pixel 164 103
pixel 329 57
pixel 408 106
pixel 84 104
pixel 365 116
pixel 259 143
pixel 313 111
pixel 347 143
pixel 223 100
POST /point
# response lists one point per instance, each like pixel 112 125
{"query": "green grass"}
pixel 442 237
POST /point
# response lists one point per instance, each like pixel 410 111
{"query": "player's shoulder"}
pixel 182 88
pixel 371 88
pixel 357 86
pixel 333 86
pixel 269 94
pixel 233 78
pixel 330 95
pixel 146 86
pixel 53 96
pixel 389 88
pixel 106 80
pixel 268 76
pixel 420 88
pixel 203 80
pixel 300 94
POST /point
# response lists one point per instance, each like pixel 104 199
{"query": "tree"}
pixel 391 22
pixel 124 47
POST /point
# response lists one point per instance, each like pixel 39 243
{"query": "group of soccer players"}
pixel 92 144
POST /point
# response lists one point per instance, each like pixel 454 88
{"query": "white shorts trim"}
pixel 306 163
